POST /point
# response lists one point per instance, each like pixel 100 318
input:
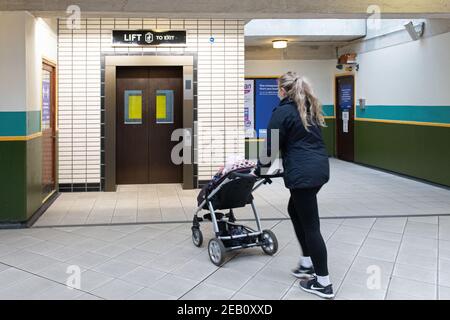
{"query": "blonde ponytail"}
pixel 300 91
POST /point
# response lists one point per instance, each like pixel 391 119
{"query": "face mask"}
pixel 281 95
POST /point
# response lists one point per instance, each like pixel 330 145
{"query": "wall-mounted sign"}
pixel 45 104
pixel 345 96
pixel 148 38
pixel 249 108
pixel 345 119
pixel 266 99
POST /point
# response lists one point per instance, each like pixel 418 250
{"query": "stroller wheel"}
pixel 197 237
pixel 216 251
pixel 269 242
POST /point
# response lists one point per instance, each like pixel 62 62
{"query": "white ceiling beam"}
pixel 236 9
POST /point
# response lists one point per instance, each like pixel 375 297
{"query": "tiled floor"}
pixel 369 258
pixel 353 191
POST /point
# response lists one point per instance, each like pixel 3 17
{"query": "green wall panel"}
pixel 328 134
pixel 20 179
pixel 418 151
pixel 34 176
pixel 13 181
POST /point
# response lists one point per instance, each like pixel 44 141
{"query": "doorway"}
pixel 48 128
pixel 149 103
pixel 345 117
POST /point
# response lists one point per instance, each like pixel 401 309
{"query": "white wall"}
pixel 415 73
pixel 318 72
pixel 12 61
pixel 46 38
pixel 25 40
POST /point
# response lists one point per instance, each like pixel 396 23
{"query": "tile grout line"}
pixel 51 280
pixel 338 226
pixel 396 258
pixel 259 270
pixel 219 268
pixel 356 256
pixel 90 211
pixel 181 203
pixel 245 219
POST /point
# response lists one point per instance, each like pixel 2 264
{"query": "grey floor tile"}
pixel 91 280
pixel 349 290
pixel 413 288
pixel 59 272
pixel 264 288
pixel 394 295
pixel 379 249
pixel 150 294
pixel 5 250
pixel 444 277
pixel 243 296
pixel 112 250
pixel 116 290
pixel 26 288
pixel 44 247
pixel 173 285
pixel 136 256
pixel 195 270
pixel 38 264
pixel 417 260
pixel 64 253
pixel 228 278
pixel 275 274
pixel 115 268
pixel 384 235
pixel 424 230
pixel 416 273
pixel 143 276
pixel 59 292
pixel 208 292
pixel 88 260
pixel 444 293
pixel 11 275
pixel 19 258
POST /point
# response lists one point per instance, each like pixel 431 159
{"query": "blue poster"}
pixel 345 96
pixel 45 103
pixel 266 99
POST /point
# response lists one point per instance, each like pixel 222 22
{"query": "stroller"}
pixel 233 190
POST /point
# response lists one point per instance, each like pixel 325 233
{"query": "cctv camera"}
pixel 415 32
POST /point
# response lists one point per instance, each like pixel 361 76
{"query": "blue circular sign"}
pixel 212 39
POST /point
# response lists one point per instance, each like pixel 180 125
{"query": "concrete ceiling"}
pixel 242 9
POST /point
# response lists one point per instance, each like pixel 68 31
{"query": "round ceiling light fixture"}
pixel 279 44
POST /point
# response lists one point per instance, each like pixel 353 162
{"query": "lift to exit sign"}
pixel 148 38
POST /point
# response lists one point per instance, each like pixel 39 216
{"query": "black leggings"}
pixel 304 214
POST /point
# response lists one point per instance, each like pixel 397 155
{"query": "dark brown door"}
pixel 345 108
pixel 48 127
pixel 149 109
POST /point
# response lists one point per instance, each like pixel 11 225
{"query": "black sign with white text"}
pixel 148 38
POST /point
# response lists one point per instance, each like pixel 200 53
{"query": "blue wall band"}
pixel 430 114
pixel 19 123
pixel 328 110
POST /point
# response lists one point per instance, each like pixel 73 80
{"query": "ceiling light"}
pixel 279 44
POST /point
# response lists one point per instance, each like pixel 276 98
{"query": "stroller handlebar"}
pixel 265 177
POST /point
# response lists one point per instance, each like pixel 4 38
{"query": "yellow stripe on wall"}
pixel 415 123
pixel 22 138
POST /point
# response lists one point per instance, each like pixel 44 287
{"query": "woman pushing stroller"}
pixel 298 119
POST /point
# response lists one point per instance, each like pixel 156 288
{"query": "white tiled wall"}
pixel 220 89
